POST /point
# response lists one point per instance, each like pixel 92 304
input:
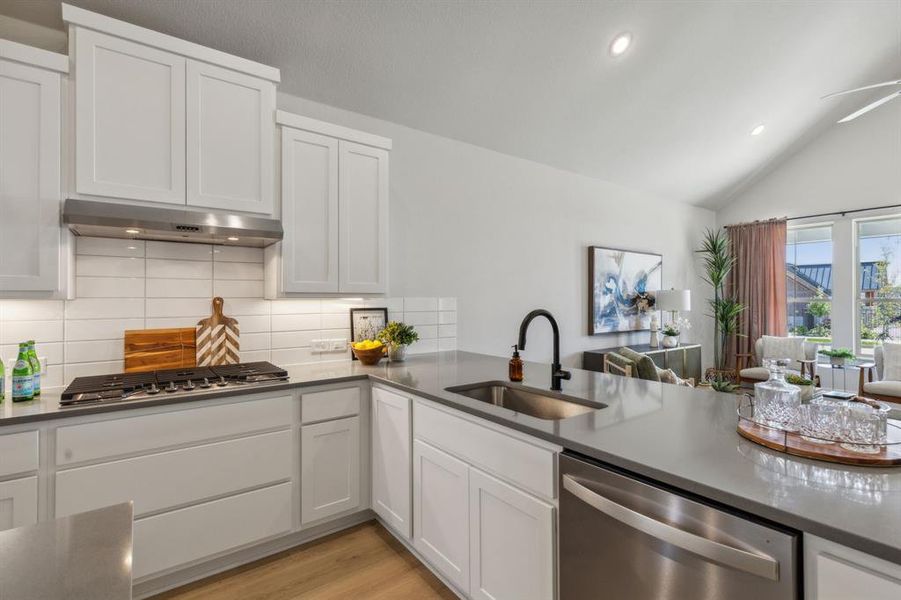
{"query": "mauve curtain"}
pixel 757 281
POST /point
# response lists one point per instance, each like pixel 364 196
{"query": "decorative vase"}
pixel 807 392
pixel 837 361
pixel 397 353
pixel 670 341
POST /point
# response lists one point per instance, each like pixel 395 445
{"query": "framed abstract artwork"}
pixel 366 323
pixel 621 286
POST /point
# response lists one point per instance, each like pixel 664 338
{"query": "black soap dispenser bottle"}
pixel 515 368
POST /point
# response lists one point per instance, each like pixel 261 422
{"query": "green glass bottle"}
pixel 23 376
pixel 35 368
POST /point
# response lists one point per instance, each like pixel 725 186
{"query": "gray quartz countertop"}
pixel 86 556
pixel 682 437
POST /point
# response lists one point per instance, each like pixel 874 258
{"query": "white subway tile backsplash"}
pixel 111 308
pixel 237 288
pixel 237 254
pixel 179 251
pixel 420 318
pixel 108 247
pixel 296 322
pixel 108 266
pixel 109 287
pixel 95 351
pixel 179 288
pixel 131 284
pixel 238 270
pixel 99 329
pixel 420 304
pixel 31 310
pixel 40 331
pixel 166 268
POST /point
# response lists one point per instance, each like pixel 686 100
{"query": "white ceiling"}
pixel 534 79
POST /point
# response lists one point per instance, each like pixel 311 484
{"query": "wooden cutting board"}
pixel 153 349
pixel 217 338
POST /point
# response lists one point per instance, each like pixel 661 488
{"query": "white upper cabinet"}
pixel 309 212
pixel 162 120
pixel 334 210
pixel 363 204
pixel 30 179
pixel 129 120
pixel 231 129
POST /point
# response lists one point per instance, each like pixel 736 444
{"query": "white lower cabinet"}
pixel 391 459
pixel 177 538
pixel 511 537
pixel 330 468
pixel 18 502
pixel 835 572
pixel 441 512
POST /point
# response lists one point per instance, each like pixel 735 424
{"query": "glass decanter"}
pixel 777 402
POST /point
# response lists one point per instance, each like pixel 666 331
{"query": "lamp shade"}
pixel 673 300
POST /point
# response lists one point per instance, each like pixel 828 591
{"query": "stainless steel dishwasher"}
pixel 624 538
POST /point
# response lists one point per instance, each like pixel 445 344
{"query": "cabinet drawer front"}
pixel 178 477
pixel 91 441
pixel 526 465
pixel 330 465
pixel 18 452
pixel 18 502
pixel 181 536
pixel 330 404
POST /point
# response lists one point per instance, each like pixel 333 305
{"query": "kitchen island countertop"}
pixel 679 436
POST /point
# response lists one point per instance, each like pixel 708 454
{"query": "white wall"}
pixel 852 165
pixel 506 235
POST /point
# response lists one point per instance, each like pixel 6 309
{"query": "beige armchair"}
pixel 749 367
pixel 880 389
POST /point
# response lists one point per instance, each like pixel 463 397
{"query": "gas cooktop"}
pixel 187 380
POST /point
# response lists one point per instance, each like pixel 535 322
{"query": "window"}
pixel 808 273
pixel 879 282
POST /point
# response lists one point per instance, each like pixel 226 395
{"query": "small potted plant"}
pixel 838 356
pixel 672 331
pixel 807 387
pixel 397 336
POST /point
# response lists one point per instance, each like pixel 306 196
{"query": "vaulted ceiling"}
pixel 670 117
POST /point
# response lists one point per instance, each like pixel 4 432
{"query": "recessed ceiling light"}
pixel 620 44
pixel 232 239
pixel 758 130
pixel 133 231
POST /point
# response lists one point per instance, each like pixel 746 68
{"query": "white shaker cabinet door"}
pixel 511 542
pixel 441 512
pixel 230 139
pixel 391 459
pixel 330 468
pixel 18 502
pixel 836 572
pixel 30 190
pixel 363 199
pixel 309 212
pixel 129 119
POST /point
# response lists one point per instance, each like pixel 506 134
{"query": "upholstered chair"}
pixel 629 363
pixel 888 390
pixel 803 354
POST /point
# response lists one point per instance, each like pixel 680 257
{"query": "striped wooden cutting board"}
pixel 217 338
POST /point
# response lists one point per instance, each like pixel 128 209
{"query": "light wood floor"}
pixel 362 562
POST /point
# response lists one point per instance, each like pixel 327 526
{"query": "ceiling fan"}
pixel 872 105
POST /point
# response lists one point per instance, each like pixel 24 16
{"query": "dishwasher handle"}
pixel 736 558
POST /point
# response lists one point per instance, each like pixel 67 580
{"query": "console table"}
pixel 684 360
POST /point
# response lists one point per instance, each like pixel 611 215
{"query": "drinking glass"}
pixel 820 421
pixel 864 429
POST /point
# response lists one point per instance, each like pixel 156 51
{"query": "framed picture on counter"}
pixel 621 286
pixel 366 323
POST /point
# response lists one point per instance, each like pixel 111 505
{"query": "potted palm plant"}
pixel 718 263
pixel 397 336
pixel 837 356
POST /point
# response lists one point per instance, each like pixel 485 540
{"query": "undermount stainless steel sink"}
pixel 530 401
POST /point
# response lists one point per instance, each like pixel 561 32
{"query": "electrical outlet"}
pixel 339 344
pixel 319 345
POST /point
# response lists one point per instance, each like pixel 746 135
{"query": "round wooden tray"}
pixel 790 442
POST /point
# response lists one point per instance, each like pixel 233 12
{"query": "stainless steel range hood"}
pixel 105 219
